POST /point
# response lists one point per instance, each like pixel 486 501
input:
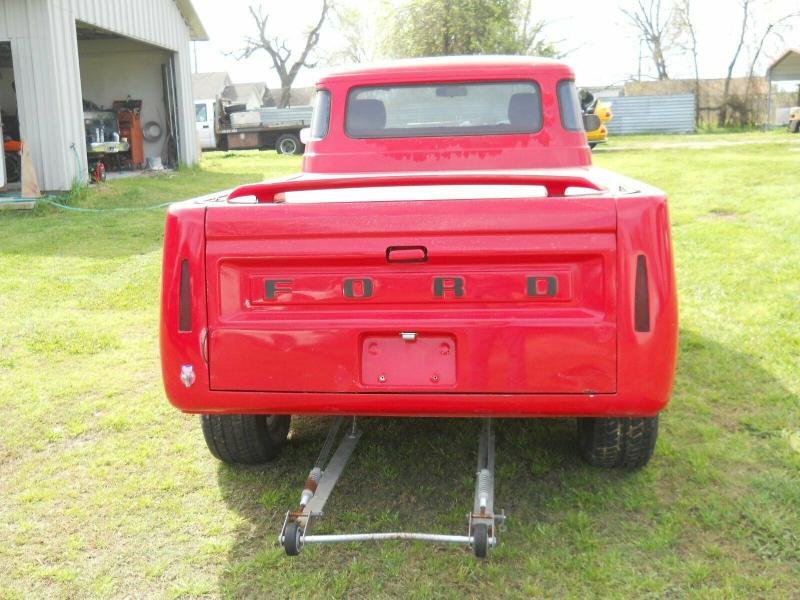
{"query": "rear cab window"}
pixel 448 109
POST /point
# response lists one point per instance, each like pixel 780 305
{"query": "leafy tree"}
pixel 455 27
pixel 357 35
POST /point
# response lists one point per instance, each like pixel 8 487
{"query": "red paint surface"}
pixel 332 325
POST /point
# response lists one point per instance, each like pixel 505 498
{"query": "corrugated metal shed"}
pixel 652 114
pixel 44 49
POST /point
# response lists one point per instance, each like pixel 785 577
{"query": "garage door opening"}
pixel 129 102
pixel 10 156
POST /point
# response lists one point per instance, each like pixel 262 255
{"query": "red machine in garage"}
pixel 448 250
pixel 130 129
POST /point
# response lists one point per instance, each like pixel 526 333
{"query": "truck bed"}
pixel 501 306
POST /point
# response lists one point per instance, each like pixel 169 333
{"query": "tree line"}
pixel 411 28
pixel 668 29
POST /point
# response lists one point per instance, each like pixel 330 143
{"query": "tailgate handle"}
pixel 406 254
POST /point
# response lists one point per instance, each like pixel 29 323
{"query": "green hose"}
pixel 52 202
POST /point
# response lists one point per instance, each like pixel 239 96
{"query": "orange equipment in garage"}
pixel 130 128
pixel 12 149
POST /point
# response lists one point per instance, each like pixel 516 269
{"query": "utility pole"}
pixel 639 76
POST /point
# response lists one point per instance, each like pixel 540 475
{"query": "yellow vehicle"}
pixel 591 105
pixel 794 119
pixel 600 135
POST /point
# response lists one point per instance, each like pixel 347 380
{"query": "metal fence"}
pixel 652 114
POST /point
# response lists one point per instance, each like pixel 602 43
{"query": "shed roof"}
pixel 238 92
pixel 786 68
pixel 209 85
pixel 196 29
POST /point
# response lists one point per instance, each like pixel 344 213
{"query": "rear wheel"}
pixel 794 126
pixel 288 143
pixel 617 443
pixel 592 145
pixel 245 439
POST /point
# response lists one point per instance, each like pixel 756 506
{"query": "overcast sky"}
pixel 601 46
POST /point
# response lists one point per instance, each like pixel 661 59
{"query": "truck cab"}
pixel 205 122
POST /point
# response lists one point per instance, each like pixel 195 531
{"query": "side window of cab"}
pixel 321 115
pixel 569 105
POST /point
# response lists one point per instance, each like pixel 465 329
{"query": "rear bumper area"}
pixel 422 405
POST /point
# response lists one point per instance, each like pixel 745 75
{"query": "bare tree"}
pixel 773 28
pixel 686 39
pixel 280 53
pixel 656 30
pixel 723 109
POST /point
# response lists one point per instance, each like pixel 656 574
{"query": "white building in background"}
pixel 55 55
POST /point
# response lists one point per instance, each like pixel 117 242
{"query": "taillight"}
pixel 185 299
pixel 641 303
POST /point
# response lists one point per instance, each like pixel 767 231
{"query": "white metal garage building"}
pixel 56 55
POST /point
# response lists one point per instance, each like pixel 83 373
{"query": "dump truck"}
pixel 448 250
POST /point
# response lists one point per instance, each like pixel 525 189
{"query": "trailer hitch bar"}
pixel 482 522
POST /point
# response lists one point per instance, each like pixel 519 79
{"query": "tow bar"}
pixel 482 522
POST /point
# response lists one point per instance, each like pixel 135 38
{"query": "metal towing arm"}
pixel 482 521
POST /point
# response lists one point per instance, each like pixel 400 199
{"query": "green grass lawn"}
pixel 109 491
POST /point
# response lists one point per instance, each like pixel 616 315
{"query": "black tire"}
pixel 245 439
pixel 592 145
pixel 617 443
pixel 289 143
pixel 13 167
pixel 480 540
pixel 794 126
pixel 291 539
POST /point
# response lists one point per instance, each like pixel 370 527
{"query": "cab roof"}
pixel 441 68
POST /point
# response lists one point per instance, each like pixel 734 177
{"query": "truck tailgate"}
pixel 481 296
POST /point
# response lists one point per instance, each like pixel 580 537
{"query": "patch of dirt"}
pixel 724 214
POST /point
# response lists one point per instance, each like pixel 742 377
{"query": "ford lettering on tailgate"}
pixel 313 288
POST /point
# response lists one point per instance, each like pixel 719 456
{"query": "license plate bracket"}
pixel 398 361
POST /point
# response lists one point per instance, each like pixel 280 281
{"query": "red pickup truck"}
pixel 447 250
